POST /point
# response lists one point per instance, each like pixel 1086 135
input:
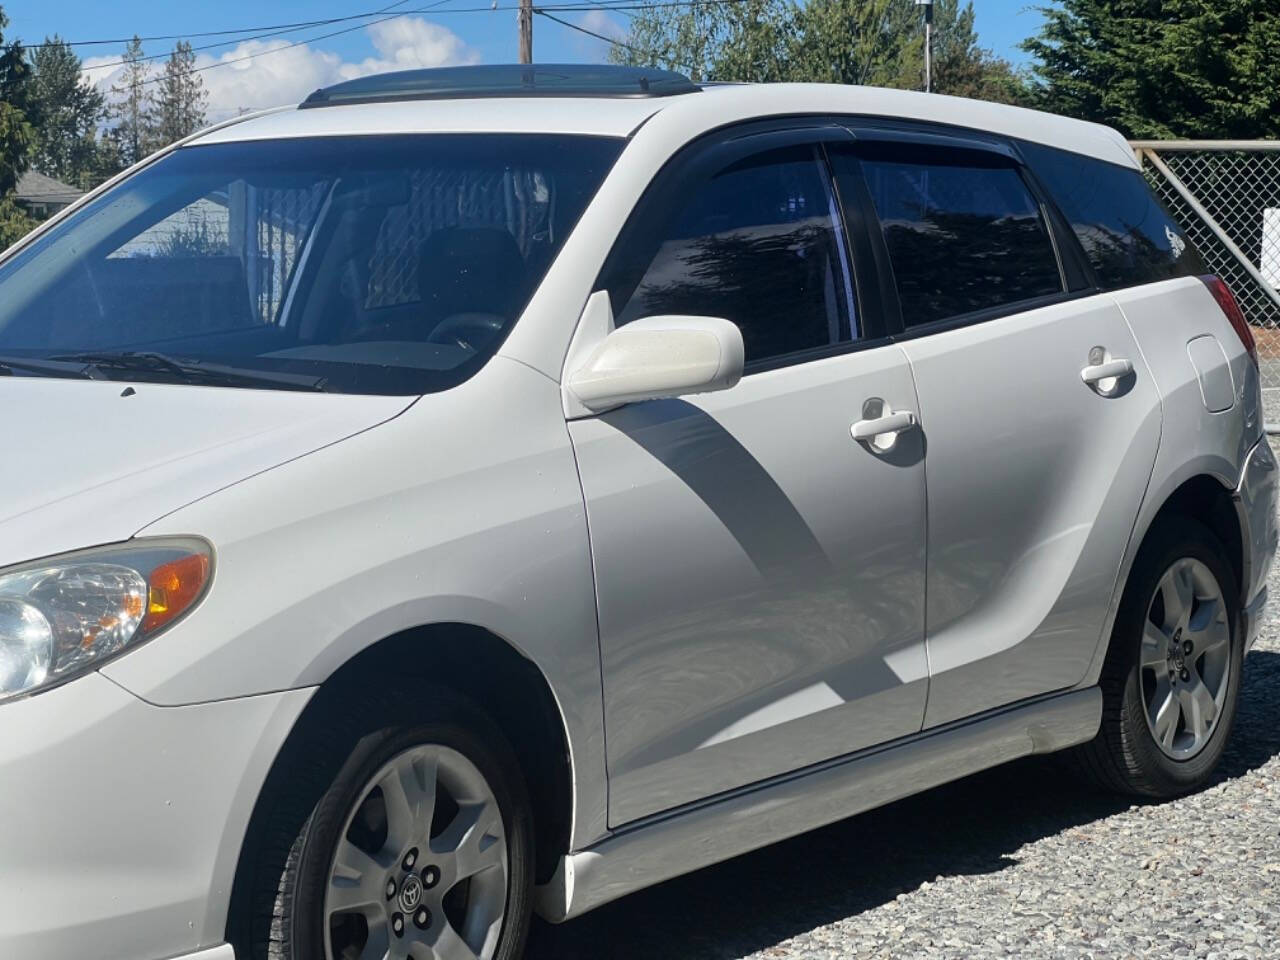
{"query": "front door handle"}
pixel 866 431
pixel 1095 373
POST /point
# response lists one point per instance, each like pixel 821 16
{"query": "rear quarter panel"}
pixel 1164 318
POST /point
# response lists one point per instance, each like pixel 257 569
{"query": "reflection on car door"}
pixel 760 574
pixel 1035 470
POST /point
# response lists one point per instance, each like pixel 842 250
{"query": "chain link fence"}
pixel 1226 195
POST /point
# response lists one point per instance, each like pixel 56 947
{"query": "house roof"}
pixel 37 188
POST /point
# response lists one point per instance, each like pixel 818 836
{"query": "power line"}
pixel 622 6
pixel 194 36
pixel 227 43
pixel 646 54
pixel 591 33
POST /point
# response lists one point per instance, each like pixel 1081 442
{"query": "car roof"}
pixel 684 114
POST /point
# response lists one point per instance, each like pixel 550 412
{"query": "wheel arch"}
pixel 1203 491
pixel 511 690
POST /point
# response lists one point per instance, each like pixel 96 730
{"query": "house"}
pixel 43 196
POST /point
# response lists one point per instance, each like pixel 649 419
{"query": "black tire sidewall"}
pixel 451 723
pixel 1179 539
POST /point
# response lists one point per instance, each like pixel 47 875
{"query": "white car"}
pixel 495 489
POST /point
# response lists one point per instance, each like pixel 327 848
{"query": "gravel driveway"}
pixel 1016 862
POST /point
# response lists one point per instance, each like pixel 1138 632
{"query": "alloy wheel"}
pixel 421 869
pixel 1185 659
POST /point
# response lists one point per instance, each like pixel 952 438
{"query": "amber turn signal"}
pixel 173 587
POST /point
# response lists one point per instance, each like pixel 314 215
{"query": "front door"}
pixel 760 573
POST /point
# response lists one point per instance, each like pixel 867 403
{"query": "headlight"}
pixel 62 616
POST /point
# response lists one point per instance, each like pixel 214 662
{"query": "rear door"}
pixel 760 574
pixel 1036 461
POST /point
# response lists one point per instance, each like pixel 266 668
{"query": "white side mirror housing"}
pixel 659 357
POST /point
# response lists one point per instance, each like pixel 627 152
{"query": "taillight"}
pixel 1227 301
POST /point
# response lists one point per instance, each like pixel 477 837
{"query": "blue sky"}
pixel 426 38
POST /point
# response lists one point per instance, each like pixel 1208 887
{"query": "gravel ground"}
pixel 1016 862
pixel 1271 397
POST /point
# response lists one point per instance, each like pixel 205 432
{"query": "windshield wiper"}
pixel 53 368
pixel 190 371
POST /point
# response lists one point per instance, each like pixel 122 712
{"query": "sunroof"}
pixel 506 80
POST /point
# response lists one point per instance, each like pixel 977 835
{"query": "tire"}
pixel 325 807
pixel 1127 755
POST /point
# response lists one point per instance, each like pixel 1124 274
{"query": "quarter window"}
pixel 758 243
pixel 1127 235
pixel 963 233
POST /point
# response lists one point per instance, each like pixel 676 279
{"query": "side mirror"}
pixel 659 357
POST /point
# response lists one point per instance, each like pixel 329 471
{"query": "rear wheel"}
pixel 1172 675
pixel 417 847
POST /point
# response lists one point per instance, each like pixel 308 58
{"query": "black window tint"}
pixel 759 244
pixel 962 235
pixel 1127 235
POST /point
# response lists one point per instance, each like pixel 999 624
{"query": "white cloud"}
pixel 279 73
pixel 597 21
pixel 410 42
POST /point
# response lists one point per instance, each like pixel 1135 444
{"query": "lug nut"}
pixel 1187 647
pixel 410 859
pixel 422 918
pixel 397 924
pixel 391 889
pixel 1186 675
pixel 430 877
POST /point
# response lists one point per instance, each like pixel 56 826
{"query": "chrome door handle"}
pixel 1112 369
pixel 866 431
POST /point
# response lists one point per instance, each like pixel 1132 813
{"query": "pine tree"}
pixel 67 111
pixel 181 98
pixel 134 106
pixel 16 133
pixel 1163 68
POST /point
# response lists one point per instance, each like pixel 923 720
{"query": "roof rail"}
pixel 504 80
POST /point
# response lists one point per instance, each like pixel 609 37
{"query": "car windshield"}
pixel 376 264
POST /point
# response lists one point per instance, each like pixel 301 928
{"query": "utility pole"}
pixel 526 31
pixel 928 43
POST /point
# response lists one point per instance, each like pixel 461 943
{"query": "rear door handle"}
pixel 866 431
pixel 1112 369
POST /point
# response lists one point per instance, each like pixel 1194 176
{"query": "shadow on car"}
pixel 972 827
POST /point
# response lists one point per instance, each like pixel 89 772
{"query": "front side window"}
pixel 389 264
pixel 1128 237
pixel 963 232
pixel 758 243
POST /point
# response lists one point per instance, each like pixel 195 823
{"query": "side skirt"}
pixel 659 848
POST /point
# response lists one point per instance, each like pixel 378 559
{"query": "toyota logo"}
pixel 410 894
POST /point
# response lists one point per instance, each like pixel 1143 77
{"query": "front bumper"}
pixel 121 822
pixel 1255 498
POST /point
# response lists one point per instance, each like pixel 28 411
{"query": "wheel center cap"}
pixel 410 893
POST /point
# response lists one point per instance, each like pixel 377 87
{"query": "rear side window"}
pixel 758 243
pixel 1127 235
pixel 963 232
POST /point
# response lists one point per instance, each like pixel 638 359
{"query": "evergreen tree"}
pixel 16 134
pixel 181 97
pixel 1163 68
pixel 67 111
pixel 133 107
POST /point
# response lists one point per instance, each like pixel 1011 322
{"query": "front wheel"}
pixel 1172 675
pixel 418 847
